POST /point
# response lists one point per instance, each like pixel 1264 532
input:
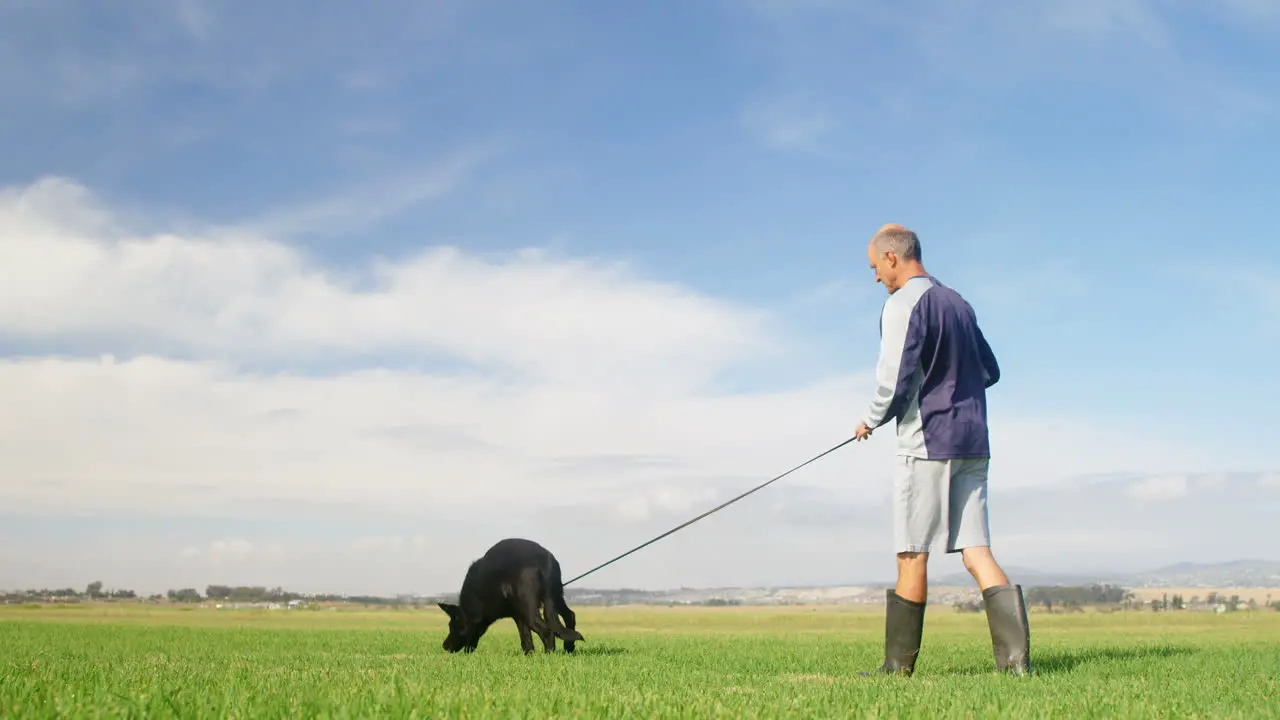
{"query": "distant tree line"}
pixel 1067 598
pixel 1079 596
pixel 1076 598
pixel 1228 603
pixel 249 594
pixel 1052 599
pixel 93 591
pixel 214 593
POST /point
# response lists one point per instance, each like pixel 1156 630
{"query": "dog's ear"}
pixel 452 610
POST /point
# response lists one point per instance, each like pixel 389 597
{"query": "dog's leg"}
pixel 570 622
pixel 529 602
pixel 526 638
pixel 553 600
pixel 547 632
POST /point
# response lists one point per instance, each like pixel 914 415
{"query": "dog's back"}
pixel 508 557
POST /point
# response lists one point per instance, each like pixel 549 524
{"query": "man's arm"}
pixel 990 368
pixel 902 331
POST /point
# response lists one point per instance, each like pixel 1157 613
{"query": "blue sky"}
pixel 428 262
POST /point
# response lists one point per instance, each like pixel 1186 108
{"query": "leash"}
pixel 712 510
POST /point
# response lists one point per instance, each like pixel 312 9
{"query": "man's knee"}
pixel 912 563
pixel 912 578
pixel 977 558
pixel 982 565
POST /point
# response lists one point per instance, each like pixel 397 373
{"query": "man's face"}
pixel 885 266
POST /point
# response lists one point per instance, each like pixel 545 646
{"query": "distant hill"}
pixel 1028 577
pixel 1237 573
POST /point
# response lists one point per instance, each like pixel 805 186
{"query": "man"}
pixel 935 367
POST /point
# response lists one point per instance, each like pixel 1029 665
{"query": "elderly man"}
pixel 935 367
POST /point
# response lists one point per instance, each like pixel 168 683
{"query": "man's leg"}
pixel 969 534
pixel 919 506
pixel 913 576
pixel 982 565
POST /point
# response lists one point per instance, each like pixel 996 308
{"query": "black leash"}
pixel 714 509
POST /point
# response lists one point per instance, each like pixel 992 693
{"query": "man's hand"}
pixel 863 432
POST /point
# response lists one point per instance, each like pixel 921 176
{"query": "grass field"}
pixel 135 661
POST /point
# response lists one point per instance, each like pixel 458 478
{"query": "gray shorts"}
pixel 940 504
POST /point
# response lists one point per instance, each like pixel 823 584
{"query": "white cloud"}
pixel 371 202
pixel 788 533
pixel 194 16
pixel 1163 487
pixel 1050 542
pixel 1258 14
pixel 787 123
pixel 378 544
pixel 371 124
pixel 1142 48
pixel 240 295
pixel 568 393
pixel 785 8
pixel 170 436
pixel 1133 19
pixel 223 552
pixel 230 548
pixel 152 43
pixel 1265 295
pixel 643 503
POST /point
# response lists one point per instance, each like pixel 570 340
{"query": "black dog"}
pixel 513 579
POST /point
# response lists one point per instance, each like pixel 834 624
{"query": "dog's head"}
pixel 462 634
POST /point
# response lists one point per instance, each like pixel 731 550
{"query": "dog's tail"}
pixel 553 587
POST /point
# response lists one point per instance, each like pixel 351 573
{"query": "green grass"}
pixel 131 661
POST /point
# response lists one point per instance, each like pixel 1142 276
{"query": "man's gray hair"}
pixel 901 241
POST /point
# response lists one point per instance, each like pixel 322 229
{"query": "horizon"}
pixel 341 310
pixel 949 581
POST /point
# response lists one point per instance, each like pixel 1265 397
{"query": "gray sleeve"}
pixel 902 330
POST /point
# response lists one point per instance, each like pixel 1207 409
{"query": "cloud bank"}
pixel 223 407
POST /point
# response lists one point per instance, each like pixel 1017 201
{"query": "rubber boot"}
pixel 1010 633
pixel 903 627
